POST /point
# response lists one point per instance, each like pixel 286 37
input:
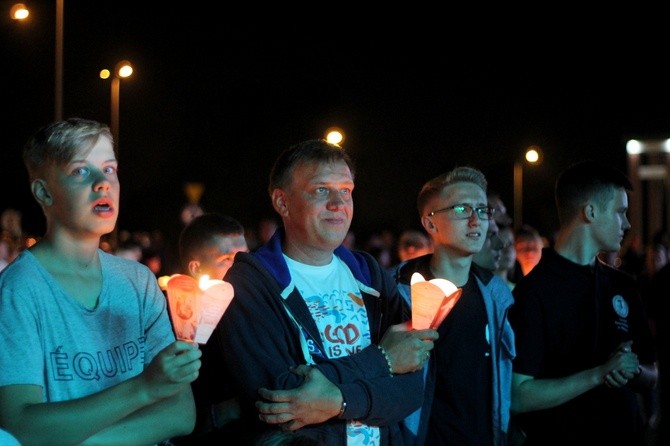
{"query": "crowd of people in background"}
pixel 464 234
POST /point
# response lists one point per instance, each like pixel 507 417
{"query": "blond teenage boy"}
pixel 88 355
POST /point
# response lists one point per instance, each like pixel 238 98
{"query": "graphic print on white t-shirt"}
pixel 334 299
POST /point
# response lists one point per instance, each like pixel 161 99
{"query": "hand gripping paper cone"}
pixel 197 306
pixel 431 301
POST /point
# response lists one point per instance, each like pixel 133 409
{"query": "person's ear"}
pixel 194 268
pixel 279 202
pixel 428 224
pixel 41 192
pixel 589 212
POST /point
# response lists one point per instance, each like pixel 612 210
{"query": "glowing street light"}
pixel 21 12
pixel 335 135
pixel 123 69
pixel 532 156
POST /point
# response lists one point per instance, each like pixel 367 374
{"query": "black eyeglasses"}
pixel 464 211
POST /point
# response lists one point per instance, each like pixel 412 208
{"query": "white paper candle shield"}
pixel 196 307
pixel 431 301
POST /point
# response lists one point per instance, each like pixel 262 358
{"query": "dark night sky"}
pixel 215 98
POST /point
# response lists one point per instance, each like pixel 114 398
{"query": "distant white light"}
pixel 636 146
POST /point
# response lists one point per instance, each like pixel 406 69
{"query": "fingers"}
pixel 180 361
pixel 426 335
pixel 274 408
pixel 178 347
pixel 302 369
pixel 276 396
pixel 617 378
pixel 173 369
pixel 265 414
pixel 403 326
pixel 408 350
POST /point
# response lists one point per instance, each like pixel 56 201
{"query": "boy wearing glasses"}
pixel 467 392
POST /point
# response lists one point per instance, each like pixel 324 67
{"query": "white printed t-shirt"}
pixel 333 297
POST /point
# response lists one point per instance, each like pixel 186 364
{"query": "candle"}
pixel 196 306
pixel 432 301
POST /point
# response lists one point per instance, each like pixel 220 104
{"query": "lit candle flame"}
pixel 204 282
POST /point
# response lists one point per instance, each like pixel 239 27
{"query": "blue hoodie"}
pixel 268 329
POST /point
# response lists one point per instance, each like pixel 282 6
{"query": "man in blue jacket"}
pixel 303 300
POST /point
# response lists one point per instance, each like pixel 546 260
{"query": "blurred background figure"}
pixel 489 256
pixel 655 259
pixel 631 254
pixel 129 249
pixel 506 265
pixel 5 251
pixel 189 212
pixel 350 240
pixel 528 244
pixel 208 244
pixel 381 245
pixel 413 243
pixel 265 229
pixel 659 414
pixel 507 262
pixel 12 233
pixel 500 215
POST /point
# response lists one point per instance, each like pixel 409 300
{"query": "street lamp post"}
pixel 20 12
pixel 123 69
pixel 114 113
pixel 518 194
pixel 533 155
pixel 58 103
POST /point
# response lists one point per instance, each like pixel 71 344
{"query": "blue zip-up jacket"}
pixel 259 342
pixel 497 300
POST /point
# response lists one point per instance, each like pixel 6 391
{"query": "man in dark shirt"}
pixel 582 339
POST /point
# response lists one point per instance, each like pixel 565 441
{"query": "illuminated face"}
pixel 217 258
pixel 316 209
pixel 528 253
pixel 82 197
pixel 466 236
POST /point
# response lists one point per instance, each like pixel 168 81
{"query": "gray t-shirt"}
pixel 51 340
